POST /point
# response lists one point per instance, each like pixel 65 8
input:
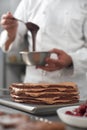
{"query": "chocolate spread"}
pixel 33 29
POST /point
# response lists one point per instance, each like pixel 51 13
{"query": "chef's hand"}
pixel 10 25
pixel 63 60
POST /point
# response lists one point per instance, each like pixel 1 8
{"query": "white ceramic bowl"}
pixel 75 121
pixel 34 58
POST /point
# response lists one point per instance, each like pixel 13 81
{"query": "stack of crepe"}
pixel 45 93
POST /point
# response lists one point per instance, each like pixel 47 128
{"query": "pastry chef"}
pixel 63 31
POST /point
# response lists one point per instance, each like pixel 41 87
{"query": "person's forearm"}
pixel 8 43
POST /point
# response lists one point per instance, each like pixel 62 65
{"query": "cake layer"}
pixel 41 102
pixel 46 100
pixel 63 85
pixel 42 88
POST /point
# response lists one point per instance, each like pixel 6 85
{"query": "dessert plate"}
pixel 32 108
pixel 72 120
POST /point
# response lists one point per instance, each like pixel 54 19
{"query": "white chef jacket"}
pixel 62 25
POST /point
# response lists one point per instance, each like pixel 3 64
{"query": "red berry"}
pixel 69 113
pixel 79 111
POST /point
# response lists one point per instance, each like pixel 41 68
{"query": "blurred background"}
pixel 11 67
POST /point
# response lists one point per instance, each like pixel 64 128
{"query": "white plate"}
pixel 71 120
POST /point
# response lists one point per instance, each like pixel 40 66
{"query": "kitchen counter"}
pixel 52 117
